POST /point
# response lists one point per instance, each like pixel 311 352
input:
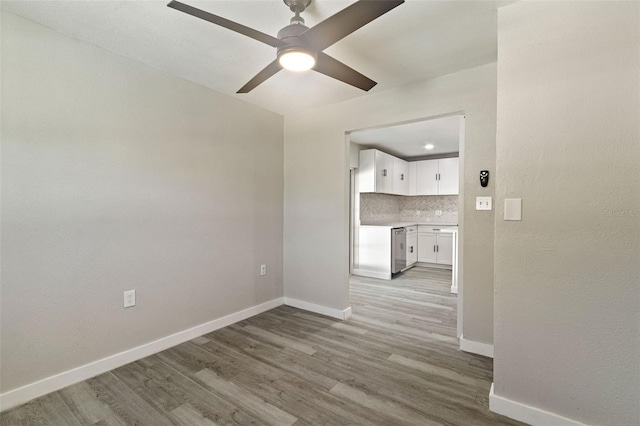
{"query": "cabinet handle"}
pixel 402 176
pixel 434 248
pixel 411 249
pixel 436 176
pixel 384 172
pixel 438 248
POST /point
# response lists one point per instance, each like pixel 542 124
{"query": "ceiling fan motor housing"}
pixel 290 35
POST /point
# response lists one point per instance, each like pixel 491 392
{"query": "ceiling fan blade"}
pixel 336 69
pixel 233 26
pixel 347 21
pixel 261 77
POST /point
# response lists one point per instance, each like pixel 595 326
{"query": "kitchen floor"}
pixel 396 361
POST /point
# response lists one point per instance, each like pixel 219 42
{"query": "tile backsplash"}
pixel 392 208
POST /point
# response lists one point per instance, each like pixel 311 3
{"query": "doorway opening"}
pixel 407 176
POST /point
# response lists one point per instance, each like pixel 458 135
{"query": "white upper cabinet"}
pixel 412 177
pixel 448 176
pixel 383 173
pixel 385 164
pixel 427 177
pixel 375 173
pixel 400 177
pixel 437 177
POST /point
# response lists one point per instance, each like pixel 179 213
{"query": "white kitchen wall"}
pixel 116 176
pixel 567 294
pixel 398 208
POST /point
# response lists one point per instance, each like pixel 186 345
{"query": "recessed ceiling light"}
pixel 429 146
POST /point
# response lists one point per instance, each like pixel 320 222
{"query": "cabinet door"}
pixel 400 177
pixel 448 174
pixel 412 177
pixel 445 249
pixel 426 175
pixel 381 171
pixel 384 172
pixel 427 242
pixel 412 248
pixel 367 171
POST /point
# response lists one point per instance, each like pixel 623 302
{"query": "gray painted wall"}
pixel 316 187
pixel 567 316
pixel 116 176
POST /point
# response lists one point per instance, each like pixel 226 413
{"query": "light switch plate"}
pixel 513 209
pixel 483 203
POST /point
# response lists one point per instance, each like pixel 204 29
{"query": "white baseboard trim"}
pixel 526 413
pixel 42 387
pixel 477 348
pixel 318 309
pixel 371 274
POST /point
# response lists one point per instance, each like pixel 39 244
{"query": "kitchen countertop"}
pixel 450 227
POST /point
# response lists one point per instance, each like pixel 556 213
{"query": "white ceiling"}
pixel 417 40
pixel 408 140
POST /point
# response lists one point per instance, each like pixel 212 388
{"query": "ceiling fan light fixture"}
pixel 296 59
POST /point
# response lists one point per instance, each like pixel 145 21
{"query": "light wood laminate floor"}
pixel 394 362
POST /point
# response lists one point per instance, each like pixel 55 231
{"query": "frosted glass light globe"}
pixel 296 60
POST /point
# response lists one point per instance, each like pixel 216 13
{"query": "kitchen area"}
pixel 405 199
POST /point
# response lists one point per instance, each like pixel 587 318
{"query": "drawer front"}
pixel 422 228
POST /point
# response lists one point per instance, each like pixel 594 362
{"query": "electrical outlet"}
pixel 129 298
pixel 438 212
pixel 263 270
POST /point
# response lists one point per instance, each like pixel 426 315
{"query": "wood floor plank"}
pixel 382 407
pixel 284 359
pixel 200 340
pixel 149 385
pixel 186 415
pixel 87 407
pixel 433 370
pixel 263 410
pixel 187 390
pixel 280 340
pixel 340 409
pixel 128 405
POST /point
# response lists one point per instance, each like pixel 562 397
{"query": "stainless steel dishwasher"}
pixel 398 250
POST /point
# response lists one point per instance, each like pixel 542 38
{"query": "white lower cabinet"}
pixel 444 249
pixel 412 245
pixel 435 246
pixel 427 242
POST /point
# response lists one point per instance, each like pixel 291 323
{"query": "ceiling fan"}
pixel 299 48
